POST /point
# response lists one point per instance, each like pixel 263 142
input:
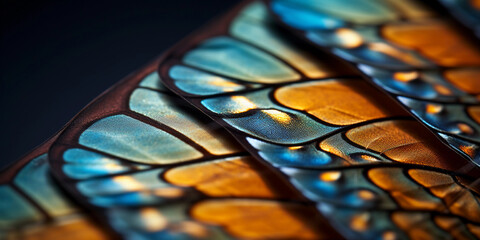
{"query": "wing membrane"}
pixel 337 137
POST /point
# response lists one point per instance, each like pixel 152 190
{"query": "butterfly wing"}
pixel 151 166
pixel 321 146
pixel 415 53
pixel 349 148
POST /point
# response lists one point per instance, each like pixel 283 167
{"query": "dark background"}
pixel 56 56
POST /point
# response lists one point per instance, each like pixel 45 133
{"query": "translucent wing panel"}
pixel 32 205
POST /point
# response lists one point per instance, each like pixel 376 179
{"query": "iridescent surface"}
pixel 81 164
pixel 152 81
pixel 380 54
pixel 249 112
pixel 370 146
pixel 300 156
pixel 363 166
pixel 129 138
pixel 332 156
pixel 34 180
pixel 108 176
pixel 435 77
pixel 357 11
pixel 32 206
pixel 152 175
pixel 130 182
pixel 15 209
pixel 228 57
pixel 339 190
pixel 251 27
pixel 284 127
pixel 458 123
pixel 188 79
pixel 166 110
pixel 455 85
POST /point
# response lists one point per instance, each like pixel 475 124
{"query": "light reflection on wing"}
pixel 407 57
pixel 348 147
pixel 152 168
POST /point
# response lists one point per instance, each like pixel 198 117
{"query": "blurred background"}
pixel 57 55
